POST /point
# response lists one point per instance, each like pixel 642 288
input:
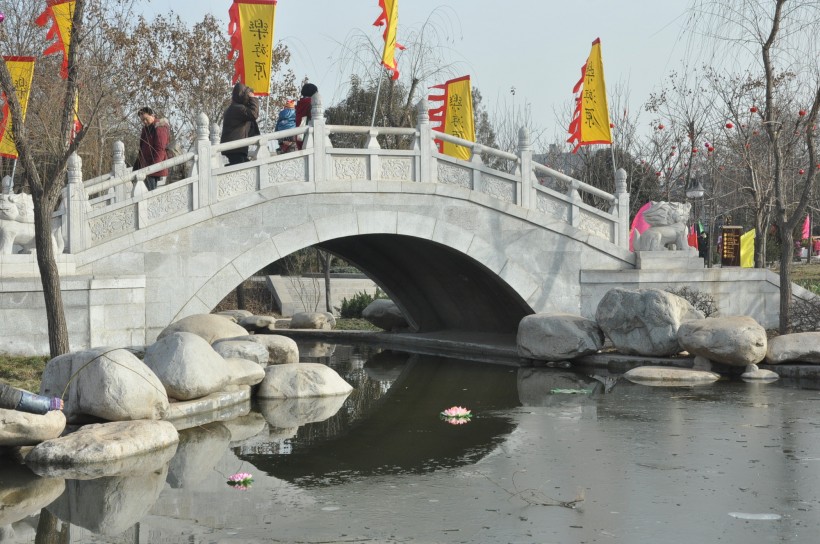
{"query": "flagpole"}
pixel 376 102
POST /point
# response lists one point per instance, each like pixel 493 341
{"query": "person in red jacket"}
pixel 156 132
pixel 304 105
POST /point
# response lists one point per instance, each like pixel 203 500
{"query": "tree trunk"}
pixel 786 242
pixel 326 257
pixel 240 296
pixel 47 532
pixel 49 275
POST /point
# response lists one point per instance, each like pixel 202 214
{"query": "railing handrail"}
pixel 473 145
pixel 574 183
pixel 141 173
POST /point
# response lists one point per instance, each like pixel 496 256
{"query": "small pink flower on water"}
pixel 456 411
pixel 240 476
pixel 456 420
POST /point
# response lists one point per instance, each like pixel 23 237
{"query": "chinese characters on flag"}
pixel 21 70
pixel 251 31
pixel 590 121
pixel 454 116
pixel 390 19
pixel 61 14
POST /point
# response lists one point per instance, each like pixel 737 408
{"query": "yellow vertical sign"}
pixel 251 31
pixel 590 121
pixel 458 117
pixel 390 18
pixel 747 249
pixel 61 13
pixel 21 70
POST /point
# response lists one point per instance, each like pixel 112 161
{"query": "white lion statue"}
pixel 17 225
pixel 667 230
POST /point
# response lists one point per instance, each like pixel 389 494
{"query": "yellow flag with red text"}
pixel 61 14
pixel 390 19
pixel 251 31
pixel 21 70
pixel 454 116
pixel 590 121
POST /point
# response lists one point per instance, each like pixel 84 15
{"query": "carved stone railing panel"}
pixel 288 171
pixel 455 175
pixel 350 168
pixel 397 168
pixel 500 188
pixel 552 206
pixel 235 183
pixel 595 225
pixel 112 224
pixel 169 203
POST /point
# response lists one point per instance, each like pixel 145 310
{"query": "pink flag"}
pixel 638 225
pixel 806 233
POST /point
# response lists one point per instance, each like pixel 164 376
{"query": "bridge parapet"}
pixel 118 204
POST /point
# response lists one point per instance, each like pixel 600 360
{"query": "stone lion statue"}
pixel 668 227
pixel 17 225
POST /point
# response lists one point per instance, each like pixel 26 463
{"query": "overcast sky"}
pixel 536 46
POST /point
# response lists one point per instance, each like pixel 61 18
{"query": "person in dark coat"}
pixel 156 132
pixel 239 122
pixel 304 105
pixel 12 398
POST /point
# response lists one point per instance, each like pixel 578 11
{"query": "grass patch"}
pixel 354 324
pixel 23 372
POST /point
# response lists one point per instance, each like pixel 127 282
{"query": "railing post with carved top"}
pixel 118 170
pixel 622 201
pixel 75 220
pixel 525 188
pixel 427 166
pixel 203 160
pixel 318 138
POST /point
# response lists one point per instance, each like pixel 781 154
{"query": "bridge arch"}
pixel 441 275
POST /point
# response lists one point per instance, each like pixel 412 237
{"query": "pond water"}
pixel 550 455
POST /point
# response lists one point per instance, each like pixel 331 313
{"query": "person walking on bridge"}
pixel 156 132
pixel 239 122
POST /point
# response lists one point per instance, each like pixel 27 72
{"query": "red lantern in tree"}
pixel 658 174
pixel 753 109
pixel 660 127
pixel 611 125
pixel 729 125
pixel 801 172
pixel 694 150
pixel 801 113
pixel 674 147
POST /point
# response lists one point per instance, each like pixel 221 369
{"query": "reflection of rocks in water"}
pixel 23 493
pixel 20 532
pixel 198 451
pixel 246 427
pixel 109 505
pixel 315 350
pixel 286 413
pixel 386 366
pixel 535 386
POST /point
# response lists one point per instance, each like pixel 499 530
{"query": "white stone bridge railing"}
pixel 114 205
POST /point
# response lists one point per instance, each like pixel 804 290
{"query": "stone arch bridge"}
pixel 469 245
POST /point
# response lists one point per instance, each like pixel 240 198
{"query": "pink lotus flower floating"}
pixel 241 480
pixel 457 415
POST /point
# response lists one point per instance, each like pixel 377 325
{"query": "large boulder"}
pixel 557 337
pixel 244 372
pixel 301 380
pixel 258 323
pixel 234 315
pixel 800 347
pixel 104 383
pixel 644 321
pixel 385 314
pixel 242 349
pixel 281 349
pixel 211 327
pixel 735 341
pixel 312 320
pixel 187 366
pixel 23 429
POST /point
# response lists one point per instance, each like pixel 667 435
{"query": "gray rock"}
pixel 664 375
pixel 23 493
pixel 244 372
pixel 211 327
pixel 312 320
pixel 242 349
pixel 105 383
pixel 801 347
pixel 281 349
pixel 558 337
pixel 385 314
pixel 92 447
pixel 23 429
pixel 187 366
pixel 234 315
pixel 644 321
pixel 258 323
pixel 754 373
pixel 736 341
pixel 301 380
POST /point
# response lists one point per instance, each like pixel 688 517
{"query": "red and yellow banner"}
pixel 21 70
pixel 390 19
pixel 590 121
pixel 61 14
pixel 251 31
pixel 454 116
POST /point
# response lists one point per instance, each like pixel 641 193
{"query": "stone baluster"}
pixel 477 162
pixel 75 220
pixel 525 196
pixel 204 162
pixel 8 185
pixel 427 169
pixel 576 200
pixel 622 211
pixel 118 171
pixel 319 139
